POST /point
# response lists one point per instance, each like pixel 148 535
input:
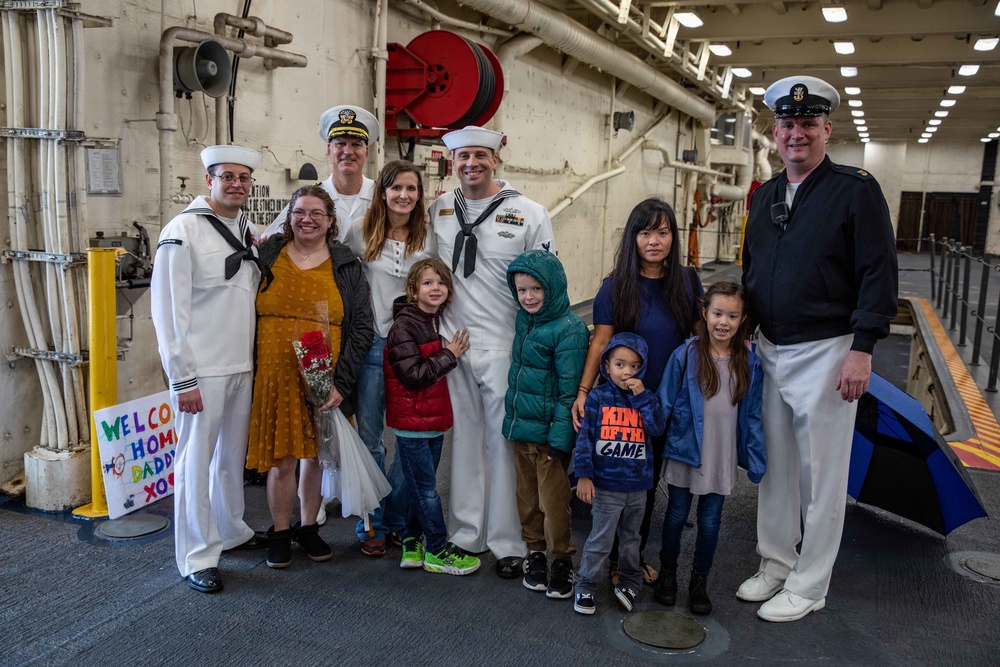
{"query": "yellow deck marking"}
pixel 983 449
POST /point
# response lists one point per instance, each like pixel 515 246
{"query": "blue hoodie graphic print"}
pixel 612 447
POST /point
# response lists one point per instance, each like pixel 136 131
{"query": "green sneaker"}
pixel 413 553
pixel 450 560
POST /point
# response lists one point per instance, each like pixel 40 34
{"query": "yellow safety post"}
pixel 103 365
pixel 743 236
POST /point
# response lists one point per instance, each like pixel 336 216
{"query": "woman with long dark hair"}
pixel 650 294
pixel 392 238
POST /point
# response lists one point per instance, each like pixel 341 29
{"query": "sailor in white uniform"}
pixel 347 130
pixel 205 280
pixel 480 228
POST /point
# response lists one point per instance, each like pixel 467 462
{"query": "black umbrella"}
pixel 900 463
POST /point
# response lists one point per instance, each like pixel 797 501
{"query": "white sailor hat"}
pixel 212 155
pixel 472 135
pixel 348 120
pixel 801 96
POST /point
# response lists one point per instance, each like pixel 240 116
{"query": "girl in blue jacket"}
pixel 711 394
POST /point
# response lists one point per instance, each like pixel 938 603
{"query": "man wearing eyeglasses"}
pixel 205 279
pixel 348 130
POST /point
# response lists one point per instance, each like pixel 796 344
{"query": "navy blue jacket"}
pixel 613 446
pixel 684 408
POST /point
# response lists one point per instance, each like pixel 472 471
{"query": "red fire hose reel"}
pixel 438 82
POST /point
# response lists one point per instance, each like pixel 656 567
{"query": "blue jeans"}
pixel 621 510
pixel 420 458
pixel 709 521
pixel 391 514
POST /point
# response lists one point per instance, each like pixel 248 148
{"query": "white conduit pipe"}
pixel 458 23
pixel 744 177
pixel 80 190
pixel 669 161
pixel 509 51
pixel 380 53
pixel 573 39
pixel 17 117
pixel 564 204
pixel 166 118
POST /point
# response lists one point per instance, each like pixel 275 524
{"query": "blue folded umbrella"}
pixel 900 463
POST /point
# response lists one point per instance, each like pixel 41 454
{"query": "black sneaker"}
pixel 279 548
pixel 625 597
pixel 584 604
pixel 560 579
pixel 536 571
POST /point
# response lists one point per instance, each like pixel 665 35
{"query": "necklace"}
pixel 396 232
pixel 304 255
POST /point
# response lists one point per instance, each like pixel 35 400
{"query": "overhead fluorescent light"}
pixel 862 134
pixel 922 141
pixel 930 129
pixel 865 140
pixel 861 128
pixel 996 12
pixel 854 103
pixel 742 72
pixel 720 50
pixel 993 135
pixel 844 48
pixel 848 71
pixel 859 121
pixel 689 19
pixel 968 70
pixel 956 90
pixel 834 14
pixel 947 103
pixel 986 44
pixel 926 135
pixel 934 121
pixel 757 90
pixel 986 140
pixel 852 90
pixel 941 114
pixel 857 113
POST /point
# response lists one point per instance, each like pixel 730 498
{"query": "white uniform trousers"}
pixel 208 472
pixel 482 505
pixel 809 429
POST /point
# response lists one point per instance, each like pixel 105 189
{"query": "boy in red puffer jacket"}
pixel 418 410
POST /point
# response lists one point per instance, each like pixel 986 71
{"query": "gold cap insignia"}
pixel 347 116
pixel 798 92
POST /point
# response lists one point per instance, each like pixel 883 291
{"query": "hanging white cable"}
pixel 75 220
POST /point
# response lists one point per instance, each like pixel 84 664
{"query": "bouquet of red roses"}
pixel 315 366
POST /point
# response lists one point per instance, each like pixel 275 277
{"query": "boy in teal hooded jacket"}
pixel 550 347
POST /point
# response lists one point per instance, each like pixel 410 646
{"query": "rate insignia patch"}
pixel 510 219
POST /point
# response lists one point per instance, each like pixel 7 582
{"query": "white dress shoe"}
pixel 787 606
pixel 759 587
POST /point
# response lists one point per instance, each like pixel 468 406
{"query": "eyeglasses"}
pixel 299 214
pixel 228 178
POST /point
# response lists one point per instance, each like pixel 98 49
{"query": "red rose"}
pixel 311 338
pixel 320 350
pixel 306 362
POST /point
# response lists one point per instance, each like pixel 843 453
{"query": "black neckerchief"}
pixel 244 251
pixel 465 238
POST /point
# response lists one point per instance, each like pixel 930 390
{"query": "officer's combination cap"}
pixel 348 120
pixel 801 96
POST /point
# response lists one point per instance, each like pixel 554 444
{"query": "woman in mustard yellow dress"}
pixel 318 285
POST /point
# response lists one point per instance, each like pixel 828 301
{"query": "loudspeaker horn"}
pixel 204 68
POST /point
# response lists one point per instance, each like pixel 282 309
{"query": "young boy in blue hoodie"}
pixel 613 463
pixel 550 347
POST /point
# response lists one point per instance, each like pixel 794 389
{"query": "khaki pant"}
pixel 543 497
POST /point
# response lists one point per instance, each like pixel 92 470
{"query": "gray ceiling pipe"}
pixel 575 40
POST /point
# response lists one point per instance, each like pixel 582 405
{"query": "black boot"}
pixel 279 548
pixel 666 588
pixel 316 549
pixel 698 600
